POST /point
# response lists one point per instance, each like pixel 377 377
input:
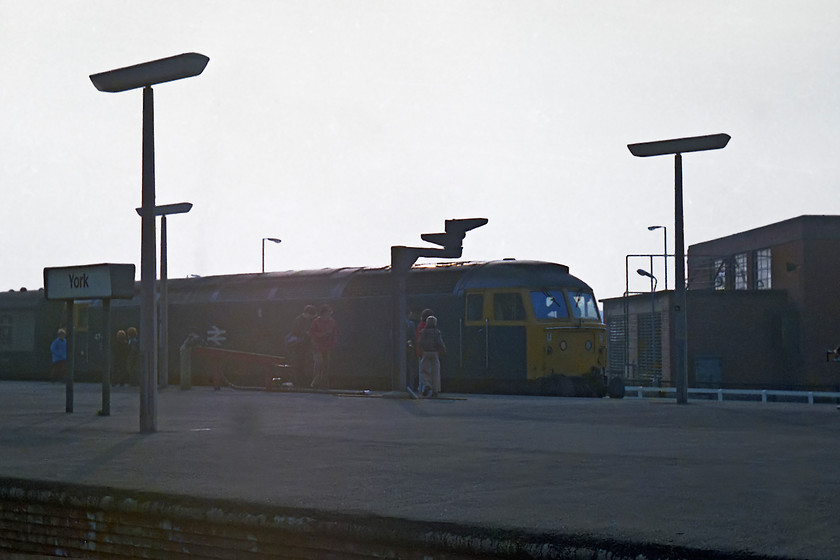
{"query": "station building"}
pixel 763 307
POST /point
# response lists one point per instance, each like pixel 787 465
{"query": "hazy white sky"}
pixel 346 127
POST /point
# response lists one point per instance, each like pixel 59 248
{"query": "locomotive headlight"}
pixel 563 345
pixel 588 345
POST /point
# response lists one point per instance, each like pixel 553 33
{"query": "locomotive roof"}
pixel 520 274
pixel 333 283
pixel 443 278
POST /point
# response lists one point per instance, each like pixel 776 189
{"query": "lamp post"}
pixel 264 239
pixel 664 250
pixel 144 76
pixel 163 319
pixel 677 147
pixel 652 340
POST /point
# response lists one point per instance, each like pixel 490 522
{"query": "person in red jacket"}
pixel 420 326
pixel 431 345
pixel 323 334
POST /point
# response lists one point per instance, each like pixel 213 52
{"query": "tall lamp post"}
pixel 163 319
pixel 677 147
pixel 664 250
pixel 144 76
pixel 264 239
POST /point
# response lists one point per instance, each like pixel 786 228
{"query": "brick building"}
pixel 762 308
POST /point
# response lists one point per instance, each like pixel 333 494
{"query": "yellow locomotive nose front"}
pixel 571 351
pixel 566 340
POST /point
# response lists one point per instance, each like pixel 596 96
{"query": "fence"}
pixel 741 394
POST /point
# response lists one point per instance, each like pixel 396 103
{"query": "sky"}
pixel 346 127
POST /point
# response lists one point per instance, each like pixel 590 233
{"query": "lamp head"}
pixel 679 145
pixel 150 73
pixel 166 209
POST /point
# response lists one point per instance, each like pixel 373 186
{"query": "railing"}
pixel 762 394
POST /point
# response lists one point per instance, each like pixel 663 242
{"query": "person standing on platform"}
pixel 324 335
pixel 431 345
pixel 120 357
pixel 132 360
pixel 58 349
pixel 411 363
pixel 299 347
pixel 420 326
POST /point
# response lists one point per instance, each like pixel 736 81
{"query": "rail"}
pixel 270 365
pixel 721 394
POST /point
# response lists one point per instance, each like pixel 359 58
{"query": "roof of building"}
pixel 801 227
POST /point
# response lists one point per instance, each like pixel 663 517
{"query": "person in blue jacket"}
pixel 58 349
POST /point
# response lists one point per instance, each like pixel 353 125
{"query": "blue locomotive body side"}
pixel 505 326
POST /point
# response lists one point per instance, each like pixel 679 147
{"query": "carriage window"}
pixel 475 307
pixel 508 307
pixel 549 304
pixel 584 305
pixel 5 330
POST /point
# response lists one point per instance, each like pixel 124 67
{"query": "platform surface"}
pixel 735 476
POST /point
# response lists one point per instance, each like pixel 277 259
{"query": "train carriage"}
pixel 28 324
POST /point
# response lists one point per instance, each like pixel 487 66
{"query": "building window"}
pixel 763 277
pixel 741 271
pixel 720 274
pixel 617 350
pixel 650 347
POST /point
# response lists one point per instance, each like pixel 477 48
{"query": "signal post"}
pixel 402 259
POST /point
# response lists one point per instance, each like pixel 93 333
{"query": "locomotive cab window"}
pixel 549 304
pixel 475 307
pixel 584 306
pixel 508 307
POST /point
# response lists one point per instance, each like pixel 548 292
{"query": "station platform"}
pixel 634 478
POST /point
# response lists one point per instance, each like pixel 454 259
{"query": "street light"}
pixel 646 274
pixel 652 340
pixel 146 75
pixel 264 239
pixel 664 249
pixel 163 320
pixel 677 147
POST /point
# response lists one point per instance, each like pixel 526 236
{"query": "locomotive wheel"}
pixel 557 386
pixel 616 388
pixel 566 387
pixel 592 385
pixel 581 387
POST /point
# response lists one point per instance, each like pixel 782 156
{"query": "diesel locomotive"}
pixel 510 326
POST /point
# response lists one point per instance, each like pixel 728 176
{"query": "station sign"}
pixel 95 281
